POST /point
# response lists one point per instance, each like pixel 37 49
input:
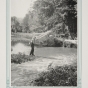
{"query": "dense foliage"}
pixel 15 25
pixel 58 76
pixel 57 15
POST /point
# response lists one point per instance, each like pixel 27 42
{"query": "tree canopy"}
pixel 50 13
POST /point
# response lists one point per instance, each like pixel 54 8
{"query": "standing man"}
pixel 32 46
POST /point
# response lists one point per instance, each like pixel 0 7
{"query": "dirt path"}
pixel 25 73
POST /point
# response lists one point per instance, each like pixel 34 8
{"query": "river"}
pixel 53 52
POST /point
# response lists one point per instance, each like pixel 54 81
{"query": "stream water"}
pixel 45 51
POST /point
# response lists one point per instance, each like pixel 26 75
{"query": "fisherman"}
pixel 32 46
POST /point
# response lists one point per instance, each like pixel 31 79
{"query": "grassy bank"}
pixel 20 38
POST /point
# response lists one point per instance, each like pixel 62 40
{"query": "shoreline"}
pixel 29 71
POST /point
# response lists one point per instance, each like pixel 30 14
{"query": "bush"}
pixel 19 58
pixel 60 76
pixel 58 43
pixel 52 42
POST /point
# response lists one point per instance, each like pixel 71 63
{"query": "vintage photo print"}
pixel 44 43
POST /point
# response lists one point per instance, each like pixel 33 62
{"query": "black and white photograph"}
pixel 44 43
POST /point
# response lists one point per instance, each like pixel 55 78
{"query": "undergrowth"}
pixel 60 76
pixel 19 58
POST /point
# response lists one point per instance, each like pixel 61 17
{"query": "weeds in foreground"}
pixel 60 76
pixel 19 58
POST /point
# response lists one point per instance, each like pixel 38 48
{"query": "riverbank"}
pixel 34 68
pixel 44 40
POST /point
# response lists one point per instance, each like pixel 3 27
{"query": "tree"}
pixel 15 25
pixel 25 23
pixel 50 13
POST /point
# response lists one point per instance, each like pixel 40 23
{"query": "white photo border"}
pixel 8 47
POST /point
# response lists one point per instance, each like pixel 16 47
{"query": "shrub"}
pixel 52 42
pixel 58 43
pixel 19 58
pixel 60 76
